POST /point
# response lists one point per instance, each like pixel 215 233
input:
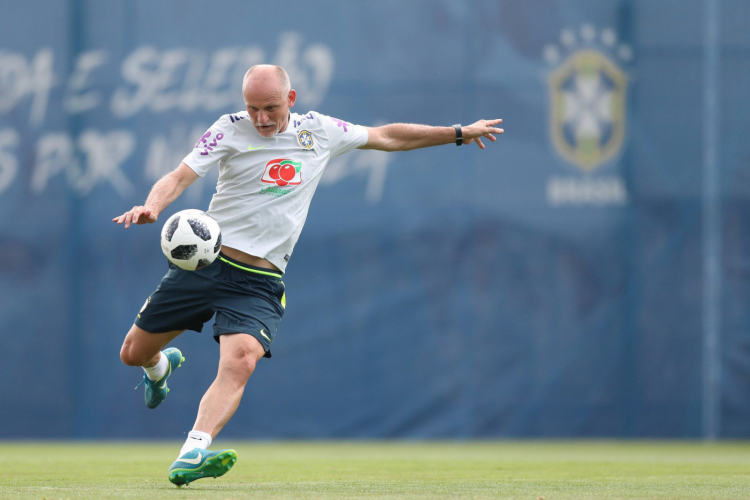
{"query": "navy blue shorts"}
pixel 245 299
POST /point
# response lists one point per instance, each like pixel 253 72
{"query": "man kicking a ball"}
pixel 270 162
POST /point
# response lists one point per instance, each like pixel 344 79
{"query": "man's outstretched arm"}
pixel 407 136
pixel 164 192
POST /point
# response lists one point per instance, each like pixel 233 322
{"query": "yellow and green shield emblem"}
pixel 587 95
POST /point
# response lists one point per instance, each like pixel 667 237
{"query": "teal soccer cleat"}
pixel 198 463
pixel 157 390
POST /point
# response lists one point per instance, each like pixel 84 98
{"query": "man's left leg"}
pixel 239 354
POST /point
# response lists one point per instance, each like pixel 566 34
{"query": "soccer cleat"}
pixel 157 390
pixel 198 463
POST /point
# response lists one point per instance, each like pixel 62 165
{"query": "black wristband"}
pixel 459 134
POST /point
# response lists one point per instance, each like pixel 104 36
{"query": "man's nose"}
pixel 262 117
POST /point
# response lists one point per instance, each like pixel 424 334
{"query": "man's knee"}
pixel 130 356
pixel 127 357
pixel 243 355
pixel 243 363
pixel 141 347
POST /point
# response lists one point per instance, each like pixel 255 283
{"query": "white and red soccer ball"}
pixel 191 239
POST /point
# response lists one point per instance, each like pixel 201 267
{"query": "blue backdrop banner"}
pixel 553 284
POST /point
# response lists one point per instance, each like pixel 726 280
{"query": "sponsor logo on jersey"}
pixel 276 192
pixel 206 145
pixel 342 124
pixel 283 172
pixel 305 139
pixel 308 116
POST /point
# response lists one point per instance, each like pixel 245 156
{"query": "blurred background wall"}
pixel 586 275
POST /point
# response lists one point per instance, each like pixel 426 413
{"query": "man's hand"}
pixel 407 136
pixel 482 128
pixel 164 192
pixel 137 215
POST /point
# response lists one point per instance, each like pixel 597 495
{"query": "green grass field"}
pixel 497 469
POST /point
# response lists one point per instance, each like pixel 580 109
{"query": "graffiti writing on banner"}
pixel 149 80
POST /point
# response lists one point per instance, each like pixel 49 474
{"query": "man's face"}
pixel 268 107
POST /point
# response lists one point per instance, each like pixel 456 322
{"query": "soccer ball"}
pixel 191 239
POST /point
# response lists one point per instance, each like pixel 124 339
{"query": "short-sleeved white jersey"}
pixel 266 184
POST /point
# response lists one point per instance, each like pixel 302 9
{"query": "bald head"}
pixel 268 96
pixel 266 75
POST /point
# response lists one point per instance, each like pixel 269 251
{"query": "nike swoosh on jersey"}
pixel 193 461
pixel 264 334
pixel 251 148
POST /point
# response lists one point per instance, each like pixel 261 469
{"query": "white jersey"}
pixel 266 184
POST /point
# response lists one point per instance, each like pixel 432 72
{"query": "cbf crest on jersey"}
pixel 588 92
pixel 305 139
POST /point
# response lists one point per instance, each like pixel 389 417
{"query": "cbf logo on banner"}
pixel 587 118
pixel 588 115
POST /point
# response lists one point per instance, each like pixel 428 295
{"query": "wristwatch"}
pixel 459 134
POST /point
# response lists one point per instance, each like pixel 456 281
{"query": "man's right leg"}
pixel 144 349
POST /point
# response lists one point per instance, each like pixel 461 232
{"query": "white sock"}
pixel 196 439
pixel 158 370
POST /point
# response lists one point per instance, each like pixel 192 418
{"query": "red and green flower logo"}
pixel 283 172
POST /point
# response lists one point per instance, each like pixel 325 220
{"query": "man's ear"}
pixel 292 97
